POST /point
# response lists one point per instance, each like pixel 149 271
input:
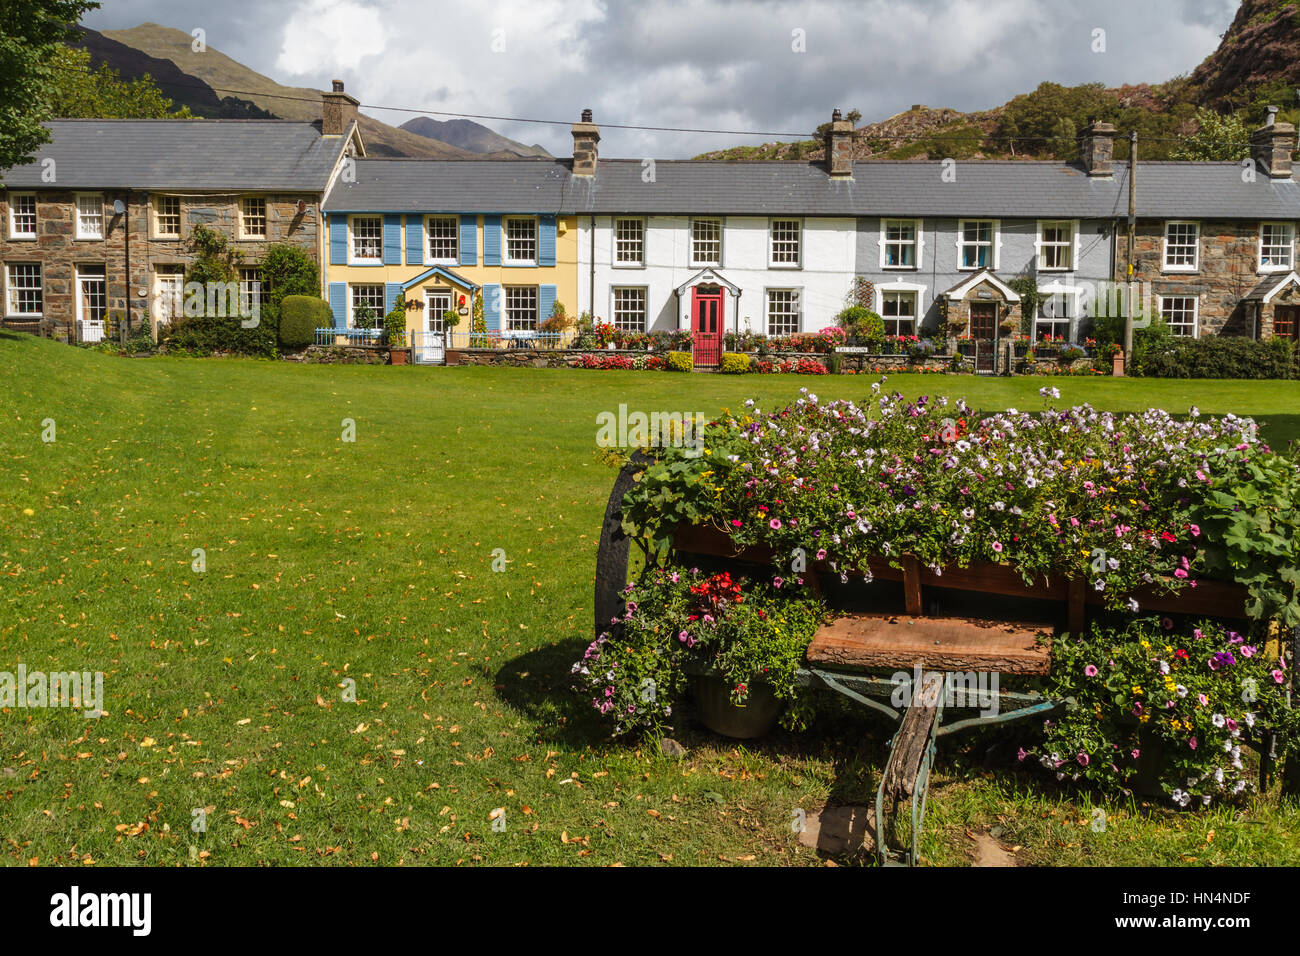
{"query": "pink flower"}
pixel 1192 743
pixel 1021 754
pixel 1083 760
pixel 1277 676
pixel 1135 753
pixel 774 523
pixel 735 522
pixel 1091 670
pixel 997 546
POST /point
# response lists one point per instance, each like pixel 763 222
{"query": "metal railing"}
pixel 348 336
pixel 509 339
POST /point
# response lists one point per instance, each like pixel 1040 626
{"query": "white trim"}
pixel 1259 250
pixel 694 263
pixel 916 288
pixel 76 216
pixel 153 217
pixel 709 276
pixel 10 289
pixel 645 304
pixel 771 264
pixel 1074 246
pixel 22 236
pixel 1282 282
pixel 767 315
pixel 614 262
pixel 354 260
pixel 379 312
pixel 918 244
pixel 984 275
pixel 265 234
pixel 1164 246
pixel 1076 312
pixel 77 275
pixel 454 260
pixel 1196 312
pixel 506 260
pixel 995 244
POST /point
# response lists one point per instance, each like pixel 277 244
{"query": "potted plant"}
pixel 394 334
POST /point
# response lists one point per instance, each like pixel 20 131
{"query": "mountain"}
pixel 466 134
pixel 1257 64
pixel 212 84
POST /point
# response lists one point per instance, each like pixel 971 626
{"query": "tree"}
pixel 288 270
pixel 30 32
pixel 1217 137
pixel 81 92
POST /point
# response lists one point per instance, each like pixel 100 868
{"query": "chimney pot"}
pixel 338 86
pixel 586 116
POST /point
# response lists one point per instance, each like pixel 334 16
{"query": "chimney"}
pixel 1097 148
pixel 586 140
pixel 337 111
pixel 839 147
pixel 1271 146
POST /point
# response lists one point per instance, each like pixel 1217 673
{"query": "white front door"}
pixel 432 339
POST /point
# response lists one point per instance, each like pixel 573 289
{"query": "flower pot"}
pixel 1117 364
pixel 715 710
pixel 397 356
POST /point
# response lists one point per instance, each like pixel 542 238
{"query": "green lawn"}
pixel 371 561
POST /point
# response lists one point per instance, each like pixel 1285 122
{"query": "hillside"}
pixel 214 85
pixel 466 134
pixel 1257 64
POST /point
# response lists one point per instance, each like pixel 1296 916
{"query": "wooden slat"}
pixel 909 747
pixel 1076 609
pixel 899 642
pixel 912 585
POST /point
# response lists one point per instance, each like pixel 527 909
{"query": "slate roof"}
pixel 993 188
pixel 198 155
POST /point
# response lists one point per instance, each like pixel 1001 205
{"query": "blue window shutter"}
pixel 391 292
pixel 491 240
pixel 338 240
pixel 414 240
pixel 392 240
pixel 545 300
pixel 492 307
pixel 468 240
pixel 546 247
pixel 339 304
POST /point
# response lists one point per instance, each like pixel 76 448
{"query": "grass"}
pixel 332 562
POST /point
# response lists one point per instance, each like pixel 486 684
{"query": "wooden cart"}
pixel 853 655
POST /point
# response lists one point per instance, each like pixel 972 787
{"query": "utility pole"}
pixel 1132 231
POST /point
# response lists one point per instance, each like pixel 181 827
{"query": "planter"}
pixel 715 710
pixel 398 356
pixel 1117 364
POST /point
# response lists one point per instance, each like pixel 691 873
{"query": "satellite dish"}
pixel 119 207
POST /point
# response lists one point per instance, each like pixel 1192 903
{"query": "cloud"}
pixel 708 64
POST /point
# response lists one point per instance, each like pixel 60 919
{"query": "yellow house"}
pixel 418 229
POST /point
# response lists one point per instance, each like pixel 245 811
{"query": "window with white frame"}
pixel 706 242
pixel 367 306
pixel 782 311
pixel 24 295
pixel 1182 241
pixel 900 236
pixel 1276 246
pixel 90 216
pixel 1055 245
pixel 975 243
pixel 785 242
pixel 22 215
pixel 1055 314
pixel 444 238
pixel 92 293
pixel 169 292
pixel 898 309
pixel 367 238
pixel 251 290
pixel 1179 311
pixel 629 242
pixel 252 217
pixel 167 217
pixel 629 309
pixel 521 240
pixel 521 308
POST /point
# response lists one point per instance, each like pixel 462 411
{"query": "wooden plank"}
pixel 874 641
pixel 899 780
pixel 1076 609
pixel 912 585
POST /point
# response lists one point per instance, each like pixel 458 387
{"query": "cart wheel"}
pixel 612 554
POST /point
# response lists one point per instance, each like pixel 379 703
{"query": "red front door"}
pixel 706 324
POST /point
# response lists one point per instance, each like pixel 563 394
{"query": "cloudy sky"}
pixel 768 66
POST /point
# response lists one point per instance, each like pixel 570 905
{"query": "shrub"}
pixel 206 335
pixel 734 363
pixel 395 327
pixel 288 270
pixel 300 317
pixel 680 362
pixel 861 323
pixel 1216 357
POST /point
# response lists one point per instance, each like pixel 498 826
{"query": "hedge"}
pixel 205 335
pixel 735 363
pixel 680 362
pixel 1218 357
pixel 300 317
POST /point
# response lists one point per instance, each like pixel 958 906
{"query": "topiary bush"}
pixel 734 363
pixel 680 362
pixel 862 324
pixel 395 327
pixel 300 317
